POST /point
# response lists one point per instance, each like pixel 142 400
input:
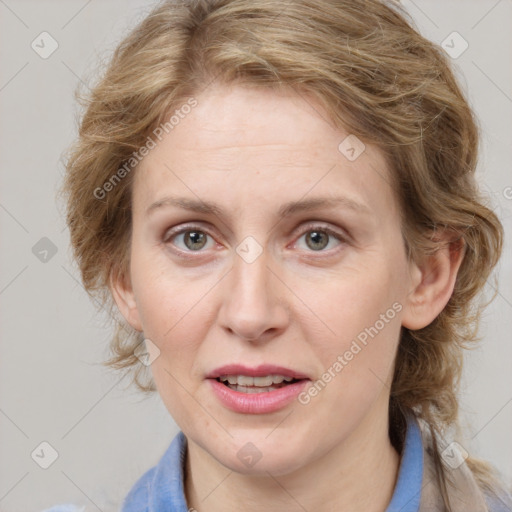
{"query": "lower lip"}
pixel 257 403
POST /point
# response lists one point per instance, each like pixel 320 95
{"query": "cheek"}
pixel 174 310
pixel 357 365
pixel 363 313
pixel 176 319
pixel 355 300
pixel 163 295
pixel 173 315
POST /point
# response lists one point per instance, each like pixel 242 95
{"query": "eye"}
pixel 190 238
pixel 193 239
pixel 318 238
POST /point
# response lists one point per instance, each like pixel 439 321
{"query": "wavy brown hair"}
pixel 375 76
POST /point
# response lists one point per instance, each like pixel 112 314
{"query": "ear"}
pixel 122 291
pixel 433 281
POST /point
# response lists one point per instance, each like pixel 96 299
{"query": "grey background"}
pixel 52 387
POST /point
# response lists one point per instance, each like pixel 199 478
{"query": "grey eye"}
pixel 190 240
pixel 319 239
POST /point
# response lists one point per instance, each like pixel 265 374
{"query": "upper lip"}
pixel 258 371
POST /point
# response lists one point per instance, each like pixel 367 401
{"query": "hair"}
pixel 376 77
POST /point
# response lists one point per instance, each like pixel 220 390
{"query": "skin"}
pixel 251 151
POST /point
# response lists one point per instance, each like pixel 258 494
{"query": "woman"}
pixel 280 201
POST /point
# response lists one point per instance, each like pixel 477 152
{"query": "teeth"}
pixel 232 379
pixel 263 382
pixel 245 389
pixel 242 380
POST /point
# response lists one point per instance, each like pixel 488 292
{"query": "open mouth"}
pixel 247 384
pixel 261 390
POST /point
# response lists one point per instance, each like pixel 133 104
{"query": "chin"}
pixel 276 466
pixel 259 458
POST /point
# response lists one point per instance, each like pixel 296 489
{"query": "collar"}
pixel 407 493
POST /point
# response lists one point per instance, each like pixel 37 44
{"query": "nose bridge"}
pixel 251 306
pixel 251 277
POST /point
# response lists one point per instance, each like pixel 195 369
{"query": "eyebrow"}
pixel 289 208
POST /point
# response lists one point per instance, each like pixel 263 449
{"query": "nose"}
pixel 252 308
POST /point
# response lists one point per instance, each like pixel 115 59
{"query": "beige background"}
pixel 51 386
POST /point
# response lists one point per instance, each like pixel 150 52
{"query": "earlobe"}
pixel 433 281
pixel 124 297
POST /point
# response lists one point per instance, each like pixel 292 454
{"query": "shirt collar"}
pixel 407 493
pixel 161 489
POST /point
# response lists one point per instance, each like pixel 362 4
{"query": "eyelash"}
pixel 170 235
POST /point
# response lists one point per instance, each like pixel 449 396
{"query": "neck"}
pixel 359 474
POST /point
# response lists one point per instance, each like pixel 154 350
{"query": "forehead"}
pixel 242 142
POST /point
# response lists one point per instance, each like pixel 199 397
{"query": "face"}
pixel 258 244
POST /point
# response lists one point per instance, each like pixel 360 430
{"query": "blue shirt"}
pixel 161 488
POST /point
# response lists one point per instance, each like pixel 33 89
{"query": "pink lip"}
pixel 256 403
pixel 259 371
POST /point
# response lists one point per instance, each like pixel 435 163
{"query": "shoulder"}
pixel 138 497
pixel 158 486
pixel 499 501
pixel 464 487
pixel 162 485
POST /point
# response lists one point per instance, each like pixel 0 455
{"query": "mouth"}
pixel 248 384
pixel 265 389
